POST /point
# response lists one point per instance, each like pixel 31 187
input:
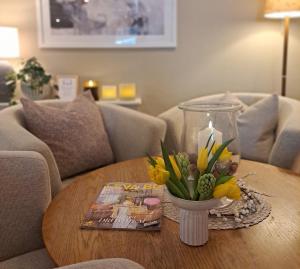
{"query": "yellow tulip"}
pixel 226 154
pixel 160 162
pixel 230 189
pixel 158 174
pixel 175 167
pixel 202 161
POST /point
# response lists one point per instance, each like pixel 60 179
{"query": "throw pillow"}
pixel 257 126
pixel 75 134
pixel 228 97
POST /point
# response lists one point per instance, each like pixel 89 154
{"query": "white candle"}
pixel 204 135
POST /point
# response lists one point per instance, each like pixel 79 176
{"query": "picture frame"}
pixel 68 86
pixel 107 24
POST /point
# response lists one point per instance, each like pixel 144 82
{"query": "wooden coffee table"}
pixel 274 243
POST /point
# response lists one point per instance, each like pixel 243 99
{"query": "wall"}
pixel 222 45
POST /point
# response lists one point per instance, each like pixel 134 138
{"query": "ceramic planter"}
pixel 45 93
pixel 194 219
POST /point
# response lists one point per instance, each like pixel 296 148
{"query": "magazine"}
pixel 126 206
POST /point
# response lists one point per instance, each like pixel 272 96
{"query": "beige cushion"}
pixel 228 97
pixel 257 126
pixel 114 263
pixel 38 259
pixel 75 134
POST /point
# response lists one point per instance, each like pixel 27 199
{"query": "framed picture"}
pixel 107 23
pixel 68 86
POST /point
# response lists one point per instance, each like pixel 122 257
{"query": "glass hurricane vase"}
pixel 208 124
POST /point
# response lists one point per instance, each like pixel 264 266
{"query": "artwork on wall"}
pixel 107 23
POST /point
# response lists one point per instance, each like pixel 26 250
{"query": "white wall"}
pixel 222 45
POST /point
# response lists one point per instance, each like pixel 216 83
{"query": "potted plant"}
pixel 195 186
pixel 35 83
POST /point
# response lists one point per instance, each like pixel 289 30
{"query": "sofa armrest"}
pixel 174 120
pixel 132 134
pixel 115 263
pixel 287 145
pixel 25 194
pixel 14 137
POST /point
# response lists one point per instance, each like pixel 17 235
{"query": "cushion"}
pixel 228 97
pixel 75 134
pixel 38 259
pixel 257 126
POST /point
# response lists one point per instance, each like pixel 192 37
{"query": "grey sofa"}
pixel 29 179
pixel 286 146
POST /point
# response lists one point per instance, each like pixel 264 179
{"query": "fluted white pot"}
pixel 194 219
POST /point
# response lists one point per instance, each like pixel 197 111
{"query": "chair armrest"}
pixel 174 120
pixel 287 145
pixel 14 137
pixel 115 263
pixel 132 134
pixel 25 194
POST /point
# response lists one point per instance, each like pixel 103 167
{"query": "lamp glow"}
pixel 280 9
pixel 9 42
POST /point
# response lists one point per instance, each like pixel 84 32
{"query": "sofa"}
pixel 30 179
pixel 286 146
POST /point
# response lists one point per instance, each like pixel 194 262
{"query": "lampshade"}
pixel 280 9
pixel 9 42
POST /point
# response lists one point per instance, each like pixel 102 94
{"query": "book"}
pixel 126 206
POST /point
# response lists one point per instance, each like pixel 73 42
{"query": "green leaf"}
pixel 174 189
pixel 173 176
pixel 223 179
pixel 209 138
pixel 180 169
pixel 211 148
pixel 216 156
pixel 151 160
pixel 168 163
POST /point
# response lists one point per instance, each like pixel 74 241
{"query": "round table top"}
pixel 273 243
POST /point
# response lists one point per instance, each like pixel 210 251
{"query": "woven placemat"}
pixel 237 214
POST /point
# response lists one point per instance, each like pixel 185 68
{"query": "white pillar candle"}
pixel 204 135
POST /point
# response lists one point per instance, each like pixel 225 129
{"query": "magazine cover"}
pixel 126 206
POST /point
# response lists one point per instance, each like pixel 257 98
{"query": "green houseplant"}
pixel 35 83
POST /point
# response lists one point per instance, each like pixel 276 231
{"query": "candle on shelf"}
pixel 127 91
pixel 91 85
pixel 109 92
pixel 204 135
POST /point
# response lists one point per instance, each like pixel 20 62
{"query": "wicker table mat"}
pixel 238 214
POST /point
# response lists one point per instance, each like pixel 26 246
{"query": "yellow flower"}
pixel 160 162
pixel 158 174
pixel 202 161
pixel 175 167
pixel 225 155
pixel 230 189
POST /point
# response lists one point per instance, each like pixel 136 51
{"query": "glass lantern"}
pixel 215 122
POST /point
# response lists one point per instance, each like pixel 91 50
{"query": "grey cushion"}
pixel 38 259
pixel 75 134
pixel 115 263
pixel 257 126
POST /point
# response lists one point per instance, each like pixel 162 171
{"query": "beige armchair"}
pixel 286 146
pixel 132 134
pixel 29 179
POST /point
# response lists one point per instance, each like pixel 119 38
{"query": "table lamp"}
pixel 9 48
pixel 283 9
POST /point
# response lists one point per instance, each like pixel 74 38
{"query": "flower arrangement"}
pixel 198 178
